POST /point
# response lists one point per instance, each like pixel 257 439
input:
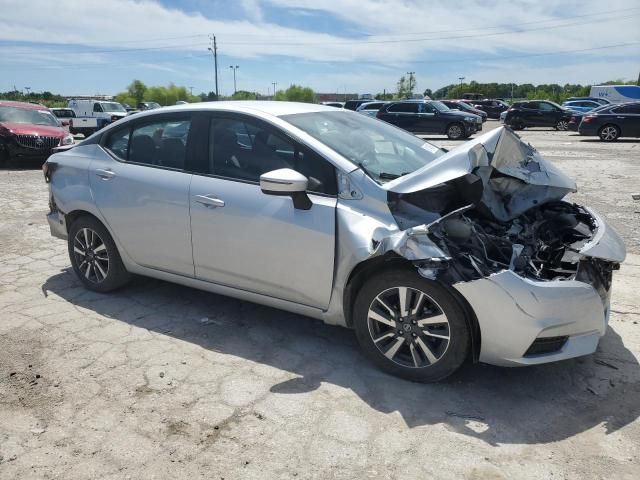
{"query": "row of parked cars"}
pixel 589 117
pixel 458 119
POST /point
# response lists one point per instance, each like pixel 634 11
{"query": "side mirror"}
pixel 289 183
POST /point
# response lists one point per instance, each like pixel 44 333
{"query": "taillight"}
pixel 378 114
pixel 588 118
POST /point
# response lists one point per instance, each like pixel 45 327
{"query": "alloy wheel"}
pixel 455 131
pixel 562 125
pixel 91 255
pixel 408 327
pixel 609 133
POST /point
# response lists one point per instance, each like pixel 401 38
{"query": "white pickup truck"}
pixel 92 115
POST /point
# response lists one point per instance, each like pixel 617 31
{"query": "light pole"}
pixel 27 89
pixel 411 74
pixel 274 89
pixel 461 79
pixel 234 68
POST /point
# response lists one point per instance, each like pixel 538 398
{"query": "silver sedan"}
pixel 432 257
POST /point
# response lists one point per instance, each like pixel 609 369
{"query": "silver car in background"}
pixel 370 108
pixel 432 257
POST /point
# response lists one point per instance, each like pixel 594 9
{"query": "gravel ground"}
pixel 161 381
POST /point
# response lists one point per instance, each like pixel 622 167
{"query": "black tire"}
pixel 455 131
pixel 562 125
pixel 403 362
pixel 609 133
pixel 98 275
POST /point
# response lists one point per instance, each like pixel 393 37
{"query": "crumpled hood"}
pixel 515 177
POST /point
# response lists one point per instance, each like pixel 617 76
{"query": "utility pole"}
pixel 214 51
pixel 191 91
pixel 461 79
pixel 274 89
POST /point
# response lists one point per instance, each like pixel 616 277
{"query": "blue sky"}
pixel 85 47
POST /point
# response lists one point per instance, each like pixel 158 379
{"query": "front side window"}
pixel 97 107
pixel 161 144
pixel 112 107
pixel 383 151
pixel 439 106
pixel 241 149
pixel 546 107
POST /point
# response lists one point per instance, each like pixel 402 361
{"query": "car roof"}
pixel 273 108
pixel 24 105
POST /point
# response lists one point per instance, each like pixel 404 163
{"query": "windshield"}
pixel 441 107
pixel 23 115
pixel 383 151
pixel 112 107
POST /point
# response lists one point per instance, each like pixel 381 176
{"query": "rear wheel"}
pixel 411 327
pixel 94 256
pixel 562 125
pixel 455 131
pixel 609 133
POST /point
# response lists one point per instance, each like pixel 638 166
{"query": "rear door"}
pixel 246 239
pixel 548 115
pixel 404 115
pixel 142 190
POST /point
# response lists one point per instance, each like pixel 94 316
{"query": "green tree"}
pixel 243 95
pixel 137 90
pixel 296 93
pixel 405 86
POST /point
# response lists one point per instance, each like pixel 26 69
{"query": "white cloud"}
pixel 394 24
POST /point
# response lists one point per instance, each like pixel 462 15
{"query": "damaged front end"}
pixel 533 267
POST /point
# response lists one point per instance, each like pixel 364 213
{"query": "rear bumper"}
pixel 588 129
pixel 57 225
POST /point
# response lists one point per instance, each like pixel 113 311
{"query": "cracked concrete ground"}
pixel 161 381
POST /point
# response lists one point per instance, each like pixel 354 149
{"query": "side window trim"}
pixel 205 120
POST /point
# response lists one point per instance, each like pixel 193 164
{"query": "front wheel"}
pixel 411 327
pixel 455 131
pixel 609 133
pixel 562 125
pixel 94 256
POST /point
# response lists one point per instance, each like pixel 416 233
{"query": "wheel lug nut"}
pixel 414 334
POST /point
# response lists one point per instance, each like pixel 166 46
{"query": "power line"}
pixel 600 15
pixel 453 61
pixel 366 42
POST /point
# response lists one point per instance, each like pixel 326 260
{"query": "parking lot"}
pixel 159 380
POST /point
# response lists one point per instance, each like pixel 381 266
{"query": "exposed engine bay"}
pixel 506 213
pixel 543 243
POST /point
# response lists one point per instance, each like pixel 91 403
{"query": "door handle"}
pixel 621 117
pixel 105 174
pixel 209 201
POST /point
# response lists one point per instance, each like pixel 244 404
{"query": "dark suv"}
pixel 428 116
pixel 612 122
pixel 354 104
pixel 493 107
pixel 538 113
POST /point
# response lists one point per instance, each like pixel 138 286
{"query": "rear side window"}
pixel 161 144
pixel 403 108
pixel 628 109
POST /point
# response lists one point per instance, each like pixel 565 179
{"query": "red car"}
pixel 29 132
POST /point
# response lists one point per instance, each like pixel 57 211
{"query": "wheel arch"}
pixel 392 261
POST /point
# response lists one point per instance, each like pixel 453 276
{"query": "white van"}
pixel 616 93
pixel 92 115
